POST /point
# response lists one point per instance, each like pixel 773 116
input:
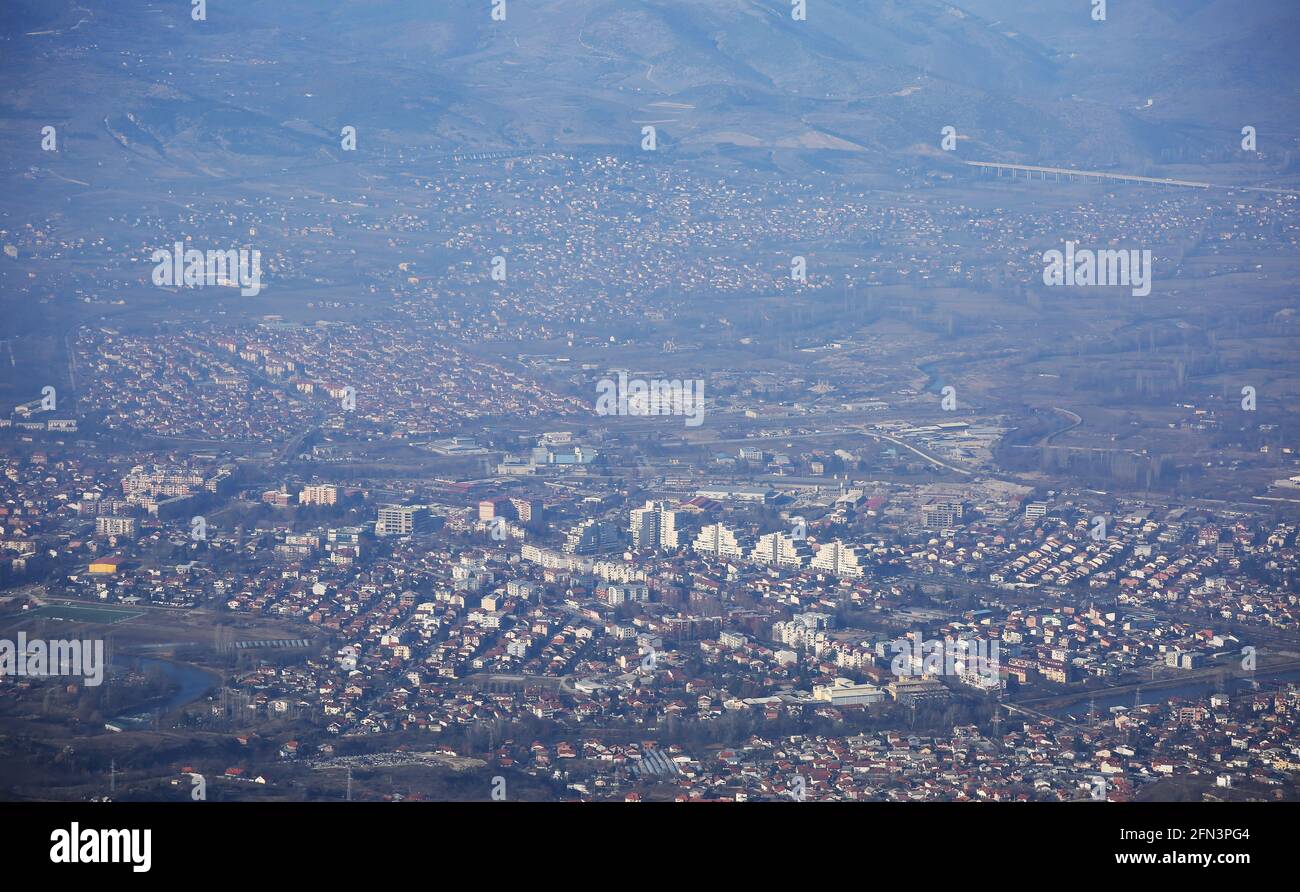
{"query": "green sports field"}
pixel 86 614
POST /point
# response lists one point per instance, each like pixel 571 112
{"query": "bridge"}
pixel 1028 171
pixel 1033 171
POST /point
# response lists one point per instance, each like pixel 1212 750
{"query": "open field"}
pixel 76 613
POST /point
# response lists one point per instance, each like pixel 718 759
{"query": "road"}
pixel 924 455
pixel 1075 421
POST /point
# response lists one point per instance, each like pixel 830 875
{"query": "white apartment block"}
pixel 655 526
pixel 720 540
pixel 840 559
pixel 781 550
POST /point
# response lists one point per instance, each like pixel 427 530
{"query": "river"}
pixel 191 684
pixel 1192 690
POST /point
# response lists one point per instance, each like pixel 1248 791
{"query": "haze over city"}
pixel 730 400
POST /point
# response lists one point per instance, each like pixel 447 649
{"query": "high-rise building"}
pixel 645 526
pixel 591 537
pixel 528 511
pixel 840 559
pixel 805 631
pixel 719 540
pixel 110 525
pixel 655 526
pixel 490 509
pixel 941 514
pixel 319 494
pixel 635 592
pixel 780 549
pixel 398 520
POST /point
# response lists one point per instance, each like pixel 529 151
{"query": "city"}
pixel 747 401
